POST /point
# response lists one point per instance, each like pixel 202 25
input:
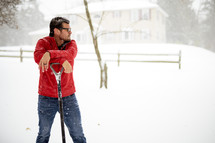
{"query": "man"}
pixel 57 48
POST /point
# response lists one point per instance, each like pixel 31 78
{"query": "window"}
pixel 116 14
pixel 158 15
pixel 127 36
pixel 158 35
pixel 96 16
pixel 78 37
pixel 109 36
pixel 145 34
pixel 144 14
pixel 81 37
pixel 163 19
pixel 134 15
pixel 141 14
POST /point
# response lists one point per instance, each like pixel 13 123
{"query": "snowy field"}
pixel 144 102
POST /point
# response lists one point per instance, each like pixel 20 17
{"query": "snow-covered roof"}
pixel 113 6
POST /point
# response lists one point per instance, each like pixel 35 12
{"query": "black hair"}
pixel 56 22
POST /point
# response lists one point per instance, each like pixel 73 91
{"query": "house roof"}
pixel 113 6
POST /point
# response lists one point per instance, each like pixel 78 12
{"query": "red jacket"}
pixel 47 82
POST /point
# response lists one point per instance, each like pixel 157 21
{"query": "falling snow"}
pixel 144 102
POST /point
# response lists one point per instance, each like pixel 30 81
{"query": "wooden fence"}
pixel 20 54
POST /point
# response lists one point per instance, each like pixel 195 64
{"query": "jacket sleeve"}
pixel 68 54
pixel 39 51
pixel 57 56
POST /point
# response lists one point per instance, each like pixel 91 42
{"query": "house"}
pixel 135 21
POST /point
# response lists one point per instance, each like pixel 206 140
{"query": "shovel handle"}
pixel 60 72
pixel 58 75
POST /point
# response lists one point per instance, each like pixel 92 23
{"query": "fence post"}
pixel 179 60
pixel 21 52
pixel 118 58
pixel 106 76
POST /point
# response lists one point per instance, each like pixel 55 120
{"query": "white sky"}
pixel 49 7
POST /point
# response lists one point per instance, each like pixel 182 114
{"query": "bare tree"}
pixel 182 21
pixel 7 12
pixel 103 66
pixel 208 24
pixel 95 34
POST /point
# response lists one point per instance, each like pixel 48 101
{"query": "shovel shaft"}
pixel 60 100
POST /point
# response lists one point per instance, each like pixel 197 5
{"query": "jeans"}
pixel 47 109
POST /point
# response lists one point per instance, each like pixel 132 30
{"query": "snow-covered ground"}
pixel 144 102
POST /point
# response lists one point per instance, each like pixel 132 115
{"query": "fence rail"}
pixel 19 54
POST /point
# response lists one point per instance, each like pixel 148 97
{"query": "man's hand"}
pixel 67 67
pixel 44 62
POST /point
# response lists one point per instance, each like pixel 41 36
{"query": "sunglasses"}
pixel 68 29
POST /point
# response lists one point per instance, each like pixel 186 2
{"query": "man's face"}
pixel 65 32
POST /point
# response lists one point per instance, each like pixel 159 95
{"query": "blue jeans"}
pixel 47 109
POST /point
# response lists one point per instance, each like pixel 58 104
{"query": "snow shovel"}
pixel 60 100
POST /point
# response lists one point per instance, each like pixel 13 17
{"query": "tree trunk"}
pixel 95 43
